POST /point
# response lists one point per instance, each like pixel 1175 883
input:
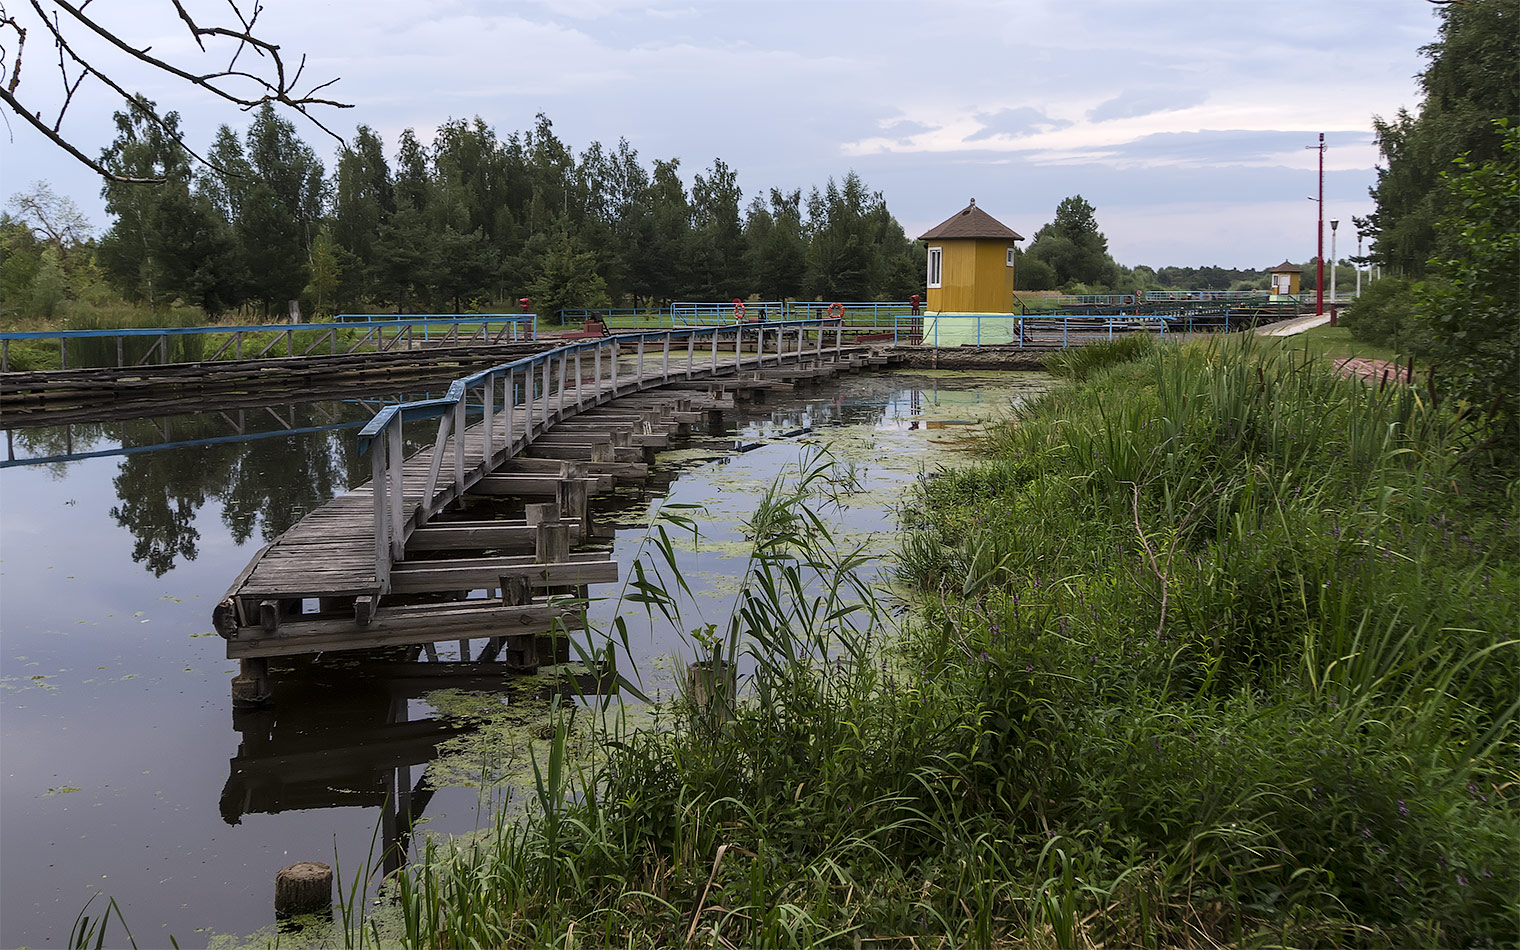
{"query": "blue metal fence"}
pixel 984 329
pixel 300 339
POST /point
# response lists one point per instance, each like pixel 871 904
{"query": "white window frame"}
pixel 1010 257
pixel 936 266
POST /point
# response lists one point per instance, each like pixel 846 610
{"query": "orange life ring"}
pixel 738 309
pixel 836 309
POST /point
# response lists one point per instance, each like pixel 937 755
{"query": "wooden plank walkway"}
pixel 331 554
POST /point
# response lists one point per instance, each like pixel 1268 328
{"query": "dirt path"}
pixel 1371 370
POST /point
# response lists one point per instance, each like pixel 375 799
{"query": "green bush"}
pixel 1384 313
pixel 1081 362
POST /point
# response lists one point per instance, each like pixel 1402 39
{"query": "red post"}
pixel 1319 254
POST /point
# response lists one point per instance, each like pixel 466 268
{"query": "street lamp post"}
pixel 1359 265
pixel 1319 237
pixel 1334 223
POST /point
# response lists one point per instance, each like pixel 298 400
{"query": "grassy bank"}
pixel 1212 648
pixel 1215 647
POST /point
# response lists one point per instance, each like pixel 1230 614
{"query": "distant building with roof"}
pixel 1286 278
pixel 970 271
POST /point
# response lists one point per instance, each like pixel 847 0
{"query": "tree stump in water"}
pixel 303 888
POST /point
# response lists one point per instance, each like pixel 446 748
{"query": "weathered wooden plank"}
pixel 396 626
pixel 477 535
pixel 478 573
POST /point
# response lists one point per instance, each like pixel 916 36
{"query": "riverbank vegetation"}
pixel 1213 647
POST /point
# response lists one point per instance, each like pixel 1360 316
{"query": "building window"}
pixel 936 260
pixel 1010 257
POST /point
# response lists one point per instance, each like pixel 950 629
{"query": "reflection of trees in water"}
pixel 265 483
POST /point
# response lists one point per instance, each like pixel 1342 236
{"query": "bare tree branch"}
pixel 61 142
pixel 267 79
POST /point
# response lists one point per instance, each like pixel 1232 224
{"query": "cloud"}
pixel 1015 122
pixel 1138 102
pixel 1215 148
pixel 905 127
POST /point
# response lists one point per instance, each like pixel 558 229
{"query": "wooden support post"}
pixel 516 591
pixel 250 688
pixel 572 502
pixel 553 543
pixel 269 615
pixel 710 687
pixel 541 513
pixel 303 888
pixel 364 609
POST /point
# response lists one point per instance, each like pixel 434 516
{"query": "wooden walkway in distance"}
pixel 552 455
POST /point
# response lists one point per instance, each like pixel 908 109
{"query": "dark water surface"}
pixel 125 772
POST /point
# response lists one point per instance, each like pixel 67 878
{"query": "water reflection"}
pixel 266 467
pixel 122 773
pixel 351 732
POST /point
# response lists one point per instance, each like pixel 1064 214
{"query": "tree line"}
pixel 1447 220
pixel 469 222
pixel 473 221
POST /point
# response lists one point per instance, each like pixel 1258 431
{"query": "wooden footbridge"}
pixel 393 562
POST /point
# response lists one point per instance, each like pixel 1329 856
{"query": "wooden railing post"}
pixel 378 449
pixel 509 405
pixel 488 425
pixel 548 364
pixel 562 368
pixel 460 422
pixel 397 501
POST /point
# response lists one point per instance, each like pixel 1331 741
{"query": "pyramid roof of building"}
pixel 970 222
pixel 1286 267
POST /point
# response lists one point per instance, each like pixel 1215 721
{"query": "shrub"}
pixel 1081 362
pixel 1383 314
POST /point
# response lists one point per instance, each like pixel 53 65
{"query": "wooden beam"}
pixel 478 535
pixel 478 573
pixel 531 485
pixel 394 626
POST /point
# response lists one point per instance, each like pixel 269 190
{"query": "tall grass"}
pixel 1214 648
pixel 1260 623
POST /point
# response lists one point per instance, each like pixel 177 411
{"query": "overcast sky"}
pixel 1183 122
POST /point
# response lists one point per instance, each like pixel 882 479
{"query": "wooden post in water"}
pixel 521 649
pixel 552 545
pixel 250 688
pixel 303 888
pixel 573 496
pixel 710 687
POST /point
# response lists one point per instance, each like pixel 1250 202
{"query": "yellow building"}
pixel 1285 279
pixel 970 272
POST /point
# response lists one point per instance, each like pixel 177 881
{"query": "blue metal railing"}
pixel 542 386
pixel 410 330
pixel 709 313
pixel 1067 329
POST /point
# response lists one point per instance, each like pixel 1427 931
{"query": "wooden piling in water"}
pixel 303 888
